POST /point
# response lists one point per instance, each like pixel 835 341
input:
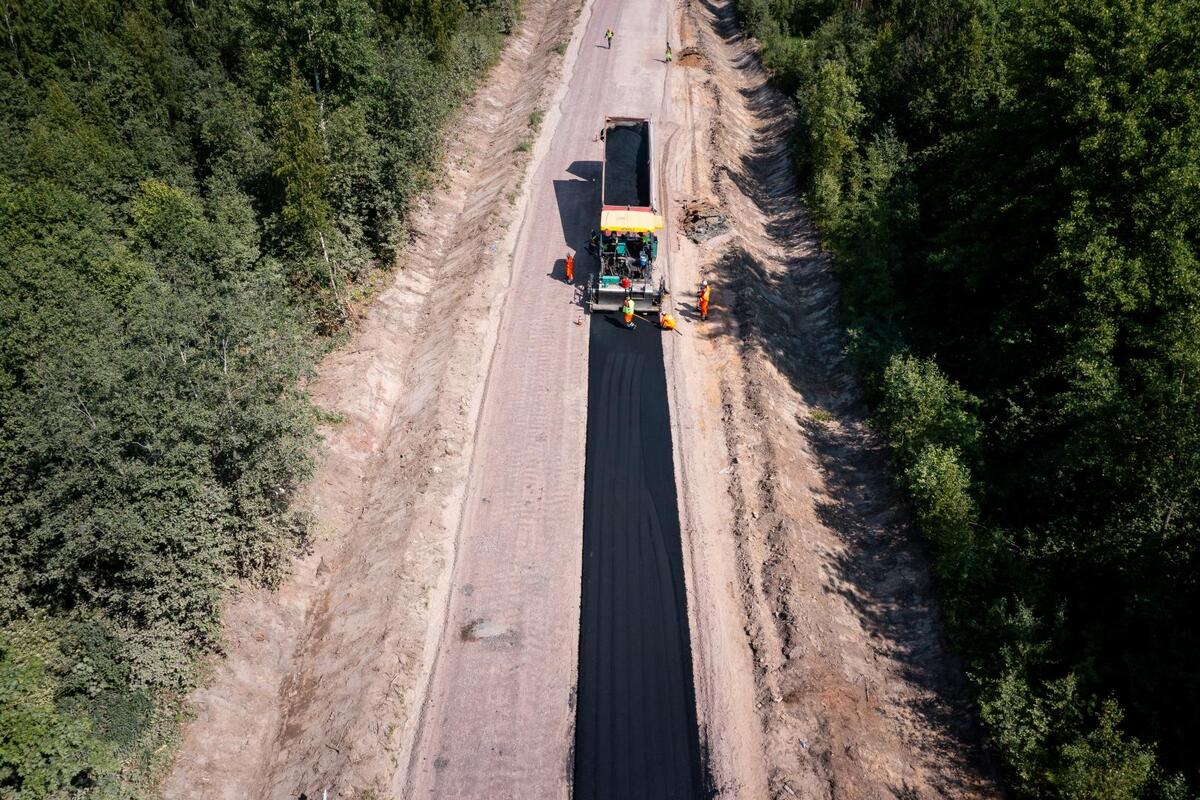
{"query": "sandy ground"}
pixel 821 671
pixel 499 718
pixel 321 681
pixel 426 648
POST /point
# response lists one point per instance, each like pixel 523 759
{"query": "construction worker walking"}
pixel 608 36
pixel 669 57
pixel 570 267
pixel 627 310
pixel 705 297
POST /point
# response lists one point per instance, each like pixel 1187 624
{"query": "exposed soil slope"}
pixel 796 537
pixel 320 680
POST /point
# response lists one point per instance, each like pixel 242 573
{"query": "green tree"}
pixel 829 115
pixel 919 407
pixel 302 172
pixel 1104 764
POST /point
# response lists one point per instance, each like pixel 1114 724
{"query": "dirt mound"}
pixel 691 57
pixel 703 220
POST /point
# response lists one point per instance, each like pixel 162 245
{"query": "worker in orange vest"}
pixel 705 297
pixel 570 268
pixel 666 320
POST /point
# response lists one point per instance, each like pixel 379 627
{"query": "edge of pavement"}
pixel 730 733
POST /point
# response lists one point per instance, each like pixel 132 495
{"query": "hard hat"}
pixel 705 282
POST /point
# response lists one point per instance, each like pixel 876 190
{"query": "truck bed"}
pixel 626 163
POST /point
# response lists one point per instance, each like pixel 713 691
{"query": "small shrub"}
pixel 1104 764
pixel 920 406
pixel 821 415
pixel 940 486
pixel 326 416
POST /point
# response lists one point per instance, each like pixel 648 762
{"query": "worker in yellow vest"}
pixel 627 310
pixel 666 320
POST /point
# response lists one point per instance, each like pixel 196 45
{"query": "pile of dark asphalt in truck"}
pixel 627 166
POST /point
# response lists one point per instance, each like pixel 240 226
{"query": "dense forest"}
pixel 1011 191
pixel 194 196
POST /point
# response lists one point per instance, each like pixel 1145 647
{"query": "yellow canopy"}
pixel 632 221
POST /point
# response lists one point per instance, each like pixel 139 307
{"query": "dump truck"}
pixel 627 242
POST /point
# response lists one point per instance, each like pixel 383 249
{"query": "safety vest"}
pixel 628 307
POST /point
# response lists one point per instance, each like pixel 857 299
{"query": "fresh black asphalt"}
pixel 636 734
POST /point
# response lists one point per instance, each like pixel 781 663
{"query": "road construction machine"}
pixel 627 242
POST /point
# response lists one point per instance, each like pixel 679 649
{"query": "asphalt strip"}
pixel 635 729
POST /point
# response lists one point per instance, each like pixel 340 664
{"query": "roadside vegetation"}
pixel 194 199
pixel 1010 189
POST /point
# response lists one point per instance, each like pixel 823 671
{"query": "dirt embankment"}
pixel 820 666
pixel 321 681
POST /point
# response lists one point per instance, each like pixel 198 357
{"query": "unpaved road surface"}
pixel 499 717
pixel 321 681
pixel 427 647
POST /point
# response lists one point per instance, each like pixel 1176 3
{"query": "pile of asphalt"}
pixel 627 165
